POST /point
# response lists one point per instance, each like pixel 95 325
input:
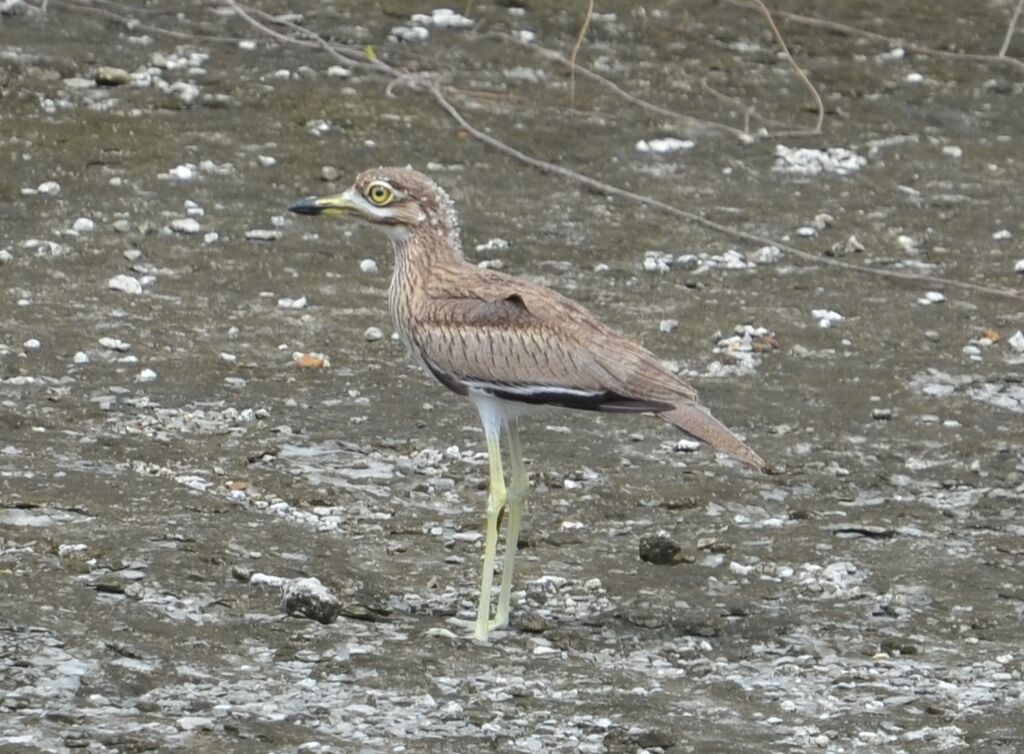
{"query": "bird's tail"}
pixel 698 422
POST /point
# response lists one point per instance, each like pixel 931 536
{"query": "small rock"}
pixel 373 334
pixel 292 303
pixel 881 414
pixel 110 76
pixel 32 344
pixel 83 225
pixel 146 375
pixel 493 244
pixel 664 146
pixel 1016 341
pixel 686 446
pixel 931 297
pixel 1002 235
pixel 308 598
pixel 1018 267
pixel 826 317
pixel 668 325
pixel 49 187
pixel 114 344
pixel 266 160
pixel 329 174
pixel 339 71
pixel 125 284
pixel 258 234
pixel 80 357
pixel 660 550
pixel 368 266
pixel 953 151
pixel 186 225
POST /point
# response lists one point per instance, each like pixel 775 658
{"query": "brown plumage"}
pixel 500 340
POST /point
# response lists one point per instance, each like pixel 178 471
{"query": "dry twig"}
pixel 891 41
pixel 802 76
pixel 576 50
pixel 1011 28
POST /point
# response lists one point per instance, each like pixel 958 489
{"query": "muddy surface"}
pixel 168 470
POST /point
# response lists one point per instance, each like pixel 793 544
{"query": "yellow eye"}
pixel 380 194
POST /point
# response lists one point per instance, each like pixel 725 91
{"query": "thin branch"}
pixel 891 41
pixel 1011 28
pixel 575 51
pixel 550 54
pixel 803 76
pixel 610 190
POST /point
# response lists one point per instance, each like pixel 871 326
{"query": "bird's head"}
pixel 400 201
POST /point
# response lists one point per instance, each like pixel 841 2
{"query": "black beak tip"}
pixel 307 206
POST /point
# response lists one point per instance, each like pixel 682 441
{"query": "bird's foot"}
pixel 481 631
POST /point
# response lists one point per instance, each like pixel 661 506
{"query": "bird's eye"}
pixel 380 194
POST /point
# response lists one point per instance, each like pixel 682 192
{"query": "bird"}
pixel 506 344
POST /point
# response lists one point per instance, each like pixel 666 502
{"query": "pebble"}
pixel 258 234
pixel 664 146
pixel 83 225
pixel 329 174
pixel 686 446
pixel 1018 267
pixel 49 187
pixel 804 161
pixel 146 375
pixel 1002 235
pixel 806 231
pixel 266 160
pixel 339 71
pixel 132 255
pixel 493 244
pixel 1016 341
pixel 309 598
pixel 114 344
pixel 32 344
pixel 826 317
pixel 372 334
pixel 913 78
pixel 5 256
pixel 660 550
pixel 125 284
pixel 110 76
pixel 953 151
pixel 368 266
pixel 292 303
pixel 187 225
pixel 881 414
pixel 668 325
pixel 80 357
pixel 931 297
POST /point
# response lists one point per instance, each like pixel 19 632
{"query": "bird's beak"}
pixel 331 206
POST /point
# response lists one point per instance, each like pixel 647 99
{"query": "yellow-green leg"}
pixel 496 498
pixel 516 495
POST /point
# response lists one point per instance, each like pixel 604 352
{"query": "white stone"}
pixel 186 225
pixel 826 317
pixel 292 303
pixel 1002 235
pixel 184 172
pixel 114 344
pixel 373 334
pixel 1016 341
pixel 953 151
pixel 80 357
pixel 83 225
pixel 266 160
pixel 339 71
pixel 932 297
pixel 368 266
pixel 32 344
pixel 48 187
pixel 913 78
pixel 146 375
pixel 804 161
pixel 125 284
pixel 493 244
pixel 664 145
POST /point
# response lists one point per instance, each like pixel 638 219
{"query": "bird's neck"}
pixel 424 247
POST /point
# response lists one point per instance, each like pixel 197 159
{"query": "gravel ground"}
pixel 235 516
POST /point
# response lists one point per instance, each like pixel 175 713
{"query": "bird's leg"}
pixel 496 498
pixel 516 495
